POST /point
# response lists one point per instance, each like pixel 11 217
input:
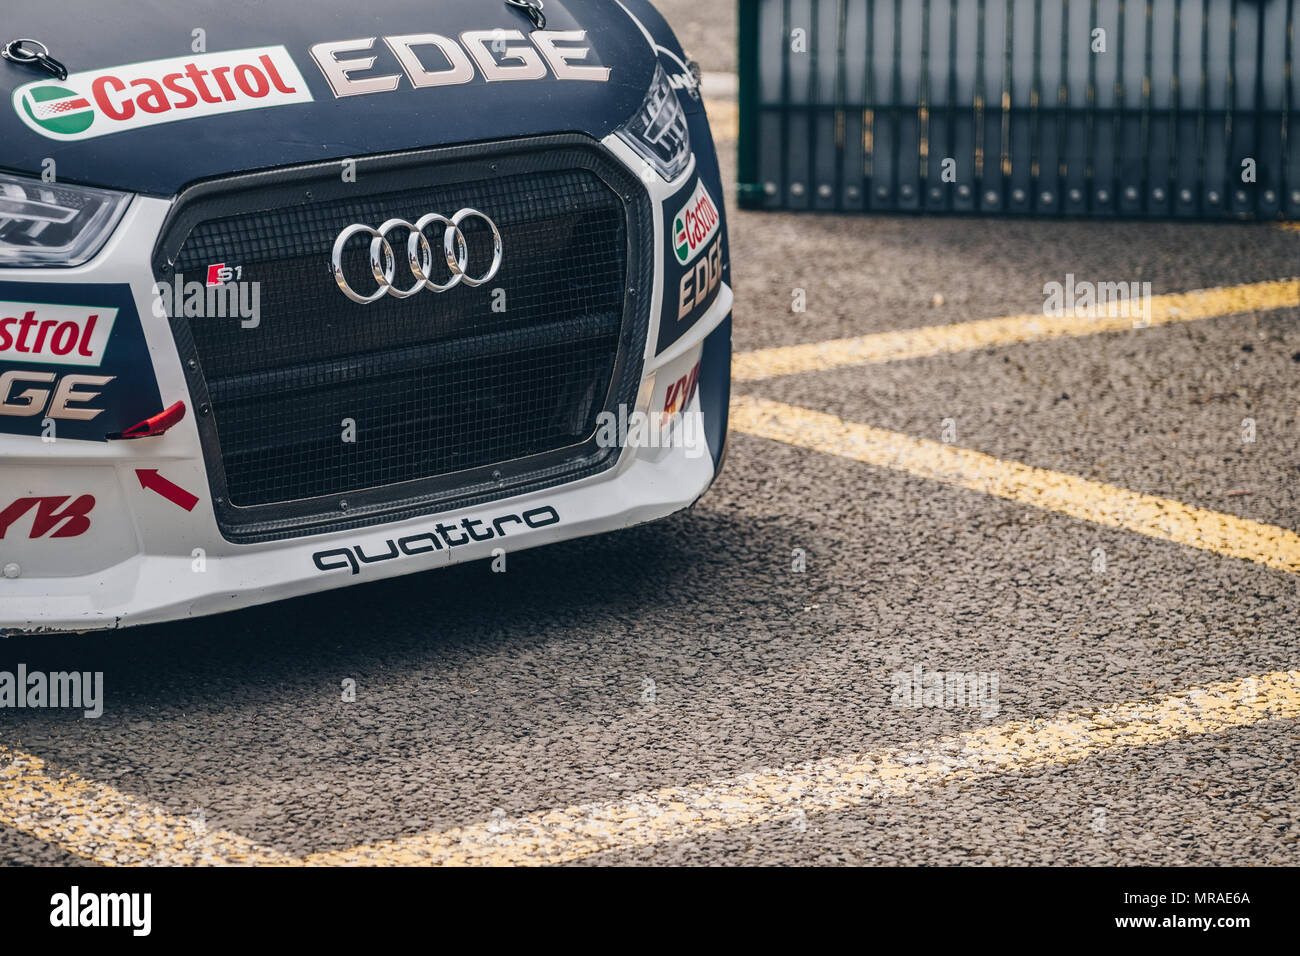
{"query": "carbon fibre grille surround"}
pixel 453 402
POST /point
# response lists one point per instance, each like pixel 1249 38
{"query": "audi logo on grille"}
pixel 419 255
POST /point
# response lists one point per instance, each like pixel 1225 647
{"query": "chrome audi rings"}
pixel 419 255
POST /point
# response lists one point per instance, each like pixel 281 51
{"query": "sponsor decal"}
pixel 680 393
pixel 64 399
pixel 53 516
pixel 700 283
pixel 112 100
pixel 57 109
pixel 450 535
pixel 431 59
pixel 695 224
pixel 54 334
pixel 74 363
pixel 697 265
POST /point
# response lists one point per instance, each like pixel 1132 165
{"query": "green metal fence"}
pixel 1165 108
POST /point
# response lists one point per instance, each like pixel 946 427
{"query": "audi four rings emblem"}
pixel 419 255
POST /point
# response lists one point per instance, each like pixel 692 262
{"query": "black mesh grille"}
pixel 432 386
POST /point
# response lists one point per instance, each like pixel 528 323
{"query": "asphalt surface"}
pixel 484 696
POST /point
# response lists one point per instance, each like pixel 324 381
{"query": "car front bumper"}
pixel 146 558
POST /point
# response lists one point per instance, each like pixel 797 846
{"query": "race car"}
pixel 294 296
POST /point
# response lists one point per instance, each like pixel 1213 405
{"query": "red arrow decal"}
pixel 150 480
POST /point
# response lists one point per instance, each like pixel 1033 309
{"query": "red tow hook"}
pixel 155 425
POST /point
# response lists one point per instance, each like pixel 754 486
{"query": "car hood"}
pixel 283 110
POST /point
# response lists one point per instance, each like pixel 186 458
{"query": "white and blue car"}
pixel 313 295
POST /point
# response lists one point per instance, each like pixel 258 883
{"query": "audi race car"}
pixel 296 296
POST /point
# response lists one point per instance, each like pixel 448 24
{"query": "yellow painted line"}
pixel 1289 226
pixel 724 119
pixel 1009 330
pixel 1093 501
pixel 793 793
pixel 97 822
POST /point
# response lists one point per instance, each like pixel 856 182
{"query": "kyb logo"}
pixel 98 102
pixel 53 516
pixel 75 908
pixel 695 224
pixel 54 334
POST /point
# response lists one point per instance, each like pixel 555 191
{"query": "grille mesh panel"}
pixel 437 383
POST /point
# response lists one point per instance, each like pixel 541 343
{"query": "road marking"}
pixel 791 794
pixel 1077 497
pixel 1009 330
pixel 100 823
pixel 1289 226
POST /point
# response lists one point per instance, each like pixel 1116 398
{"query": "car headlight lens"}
pixel 658 131
pixel 50 224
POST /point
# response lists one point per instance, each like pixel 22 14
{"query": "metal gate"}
pixel 1183 108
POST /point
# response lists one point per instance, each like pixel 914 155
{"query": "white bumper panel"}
pixel 140 563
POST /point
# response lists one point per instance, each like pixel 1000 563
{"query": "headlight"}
pixel 50 224
pixel 658 132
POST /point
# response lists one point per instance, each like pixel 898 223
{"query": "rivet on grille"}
pixel 796 189
pixel 963 192
pixel 769 188
pixel 907 192
pixel 343 504
pixel 1046 198
pixel 1213 197
pixel 1269 196
pixel 882 192
pixel 1018 195
pixel 1103 195
pixel 193 365
pixel 1131 194
pixel 851 192
pixel 1076 195
pixel 936 193
pixel 1158 194
pixel 1185 195
pixel 824 190
pixel 204 409
pixel 496 475
pixel 1295 196
pixel 991 198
